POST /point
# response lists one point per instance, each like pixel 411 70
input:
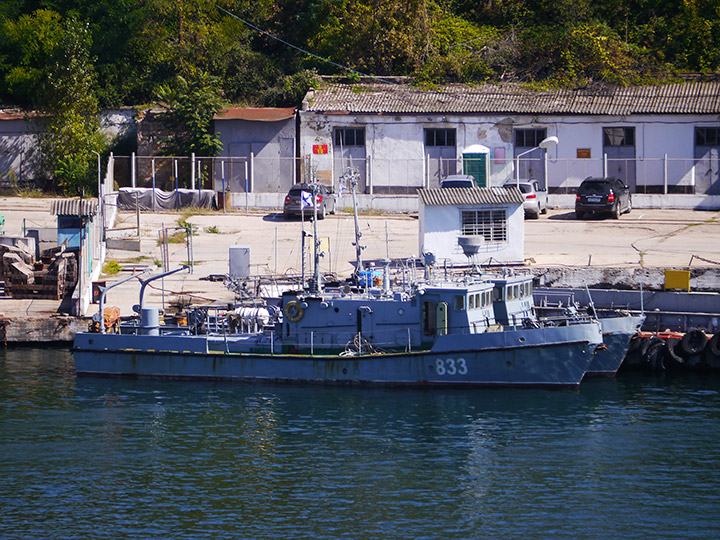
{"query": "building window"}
pixel 707 136
pixel 530 138
pixel 439 137
pixel 619 136
pixel 350 137
pixel 490 224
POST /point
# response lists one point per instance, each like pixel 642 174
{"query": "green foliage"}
pixel 111 267
pixel 212 230
pixel 193 55
pixel 191 107
pixel 54 73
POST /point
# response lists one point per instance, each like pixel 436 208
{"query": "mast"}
pixel 315 287
pixel 354 174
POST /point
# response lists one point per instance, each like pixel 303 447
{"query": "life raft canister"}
pixel 293 311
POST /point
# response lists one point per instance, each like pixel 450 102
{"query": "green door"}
pixel 476 165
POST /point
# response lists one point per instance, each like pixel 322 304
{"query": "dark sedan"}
pixel 602 196
pixel 299 201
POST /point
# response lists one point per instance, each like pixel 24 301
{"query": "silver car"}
pixel 535 196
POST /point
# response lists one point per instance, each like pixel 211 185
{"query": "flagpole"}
pixel 302 241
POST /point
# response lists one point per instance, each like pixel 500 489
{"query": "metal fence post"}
pixel 192 170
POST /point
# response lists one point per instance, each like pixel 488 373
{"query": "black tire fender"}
pixel 693 342
pixel 635 343
pixel 714 344
pixel 654 357
pixel 648 342
pixel 671 353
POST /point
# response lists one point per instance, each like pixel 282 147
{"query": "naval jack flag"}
pixel 305 199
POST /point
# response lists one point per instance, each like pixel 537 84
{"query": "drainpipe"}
pixel 605 169
pixel 665 174
pixel 370 173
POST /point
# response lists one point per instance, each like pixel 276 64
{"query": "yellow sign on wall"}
pixel 677 279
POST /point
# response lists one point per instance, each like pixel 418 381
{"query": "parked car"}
pixel 458 181
pixel 535 196
pixel 602 196
pixel 325 201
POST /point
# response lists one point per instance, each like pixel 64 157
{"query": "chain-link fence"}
pixel 404 176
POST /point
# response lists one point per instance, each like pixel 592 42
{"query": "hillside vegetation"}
pixel 135 48
pixel 68 59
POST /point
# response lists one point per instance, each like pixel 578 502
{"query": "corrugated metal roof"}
pixel 256 114
pixel 74 207
pixel 467 196
pixel 383 98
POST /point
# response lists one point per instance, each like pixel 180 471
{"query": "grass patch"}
pixel 179 237
pixel 212 229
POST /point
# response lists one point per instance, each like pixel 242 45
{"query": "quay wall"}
pixel 702 279
pixel 19 329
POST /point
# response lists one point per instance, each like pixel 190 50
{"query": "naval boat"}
pixel 436 334
pixel 431 332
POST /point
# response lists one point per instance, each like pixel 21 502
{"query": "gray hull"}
pixel 545 357
pixel 617 333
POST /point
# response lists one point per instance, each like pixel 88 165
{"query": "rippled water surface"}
pixel 636 457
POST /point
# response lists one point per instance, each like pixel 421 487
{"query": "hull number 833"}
pixel 450 366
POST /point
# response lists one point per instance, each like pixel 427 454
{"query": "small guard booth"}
pixel 74 217
pixel 465 227
pixel 78 230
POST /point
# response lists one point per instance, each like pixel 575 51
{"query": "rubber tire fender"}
pixel 654 357
pixel 714 344
pixel 635 343
pixel 648 342
pixel 693 342
pixel 674 360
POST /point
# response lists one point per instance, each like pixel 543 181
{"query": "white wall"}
pixel 439 228
pixel 397 147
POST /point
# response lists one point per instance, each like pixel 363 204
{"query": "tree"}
pixel 191 107
pixel 55 75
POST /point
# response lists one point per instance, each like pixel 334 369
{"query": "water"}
pixel 636 457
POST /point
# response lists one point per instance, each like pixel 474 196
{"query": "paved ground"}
pixel 654 238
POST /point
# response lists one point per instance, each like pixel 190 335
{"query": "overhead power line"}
pixel 268 34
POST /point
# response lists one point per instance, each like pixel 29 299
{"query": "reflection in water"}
pixel 631 458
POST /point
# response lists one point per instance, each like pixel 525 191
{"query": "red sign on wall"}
pixel 320 148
